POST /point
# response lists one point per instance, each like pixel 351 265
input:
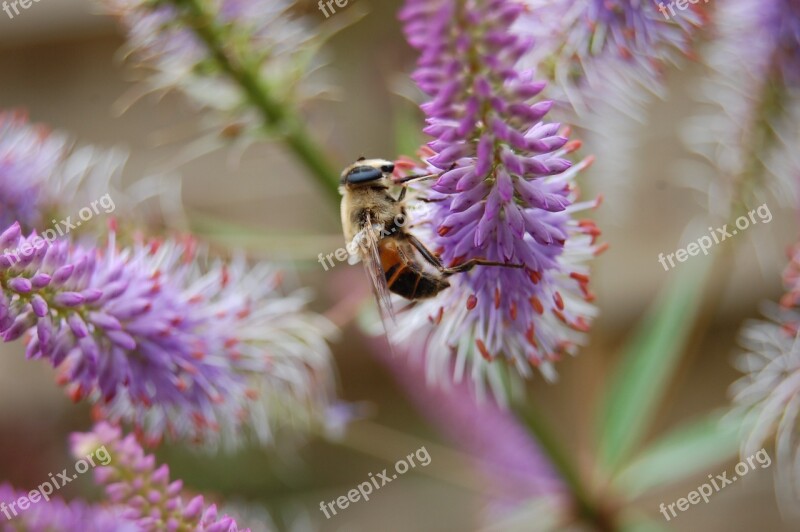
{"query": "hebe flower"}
pixel 263 38
pixel 156 339
pixel 597 48
pixel 56 515
pixel 142 493
pixel 747 127
pixel 769 392
pixel 43 174
pixel 506 194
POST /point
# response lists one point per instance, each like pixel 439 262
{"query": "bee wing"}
pixel 372 264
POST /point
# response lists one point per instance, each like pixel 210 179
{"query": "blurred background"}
pixel 61 63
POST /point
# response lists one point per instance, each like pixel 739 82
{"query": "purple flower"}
pixel 506 194
pixel 28 156
pixel 159 340
pixel 747 124
pixel 264 37
pixel 143 493
pixel 595 48
pixel 43 175
pixel 56 514
pixel 515 474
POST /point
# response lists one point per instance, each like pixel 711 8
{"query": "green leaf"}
pixel 647 364
pixel 692 448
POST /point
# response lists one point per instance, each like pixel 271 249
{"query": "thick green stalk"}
pixel 277 116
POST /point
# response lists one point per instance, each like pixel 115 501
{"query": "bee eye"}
pixel 387 168
pixel 363 174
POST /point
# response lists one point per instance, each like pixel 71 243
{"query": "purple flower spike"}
pixel 590 46
pixel 56 514
pixel 506 194
pixel 142 492
pixel 158 341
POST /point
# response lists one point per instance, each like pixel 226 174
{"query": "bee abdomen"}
pixel 412 284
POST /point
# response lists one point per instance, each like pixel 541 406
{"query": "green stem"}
pixel 277 115
pixel 587 508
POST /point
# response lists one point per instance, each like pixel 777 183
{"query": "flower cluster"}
pixel 142 493
pixel 56 514
pixel 596 48
pixel 768 395
pixel 42 174
pixel 506 194
pixel 750 105
pixel 154 339
pixel 219 52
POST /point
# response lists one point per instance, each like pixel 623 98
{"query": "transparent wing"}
pixel 372 263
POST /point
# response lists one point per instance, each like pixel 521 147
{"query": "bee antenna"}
pixel 362 158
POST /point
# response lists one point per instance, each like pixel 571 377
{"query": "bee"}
pixel 374 222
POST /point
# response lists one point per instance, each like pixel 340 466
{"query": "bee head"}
pixel 366 171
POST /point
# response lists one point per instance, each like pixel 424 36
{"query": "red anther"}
pixel 558 314
pixel 558 300
pixel 599 201
pixel 535 277
pixel 225 276
pixel 443 230
pixel 196 299
pixel 530 335
pixel 251 394
pixel 472 302
pixel 482 348
pixel 497 298
pixel 76 393
pixel 199 420
pixel 601 248
pixel 438 319
pixel 537 305
pixel 198 355
pixel 581 278
pixel 589 161
pixel 581 325
pixel 573 145
pixel 230 342
pixel 513 311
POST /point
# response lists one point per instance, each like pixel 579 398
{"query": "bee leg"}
pixel 437 263
pixel 413 179
pixel 429 200
pixel 402 195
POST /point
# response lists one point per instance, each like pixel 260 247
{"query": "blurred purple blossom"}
pixel 56 514
pixel 276 47
pixel 42 174
pixel 597 50
pixel 516 472
pixel 178 346
pixel 750 106
pixel 142 493
pixel 507 194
